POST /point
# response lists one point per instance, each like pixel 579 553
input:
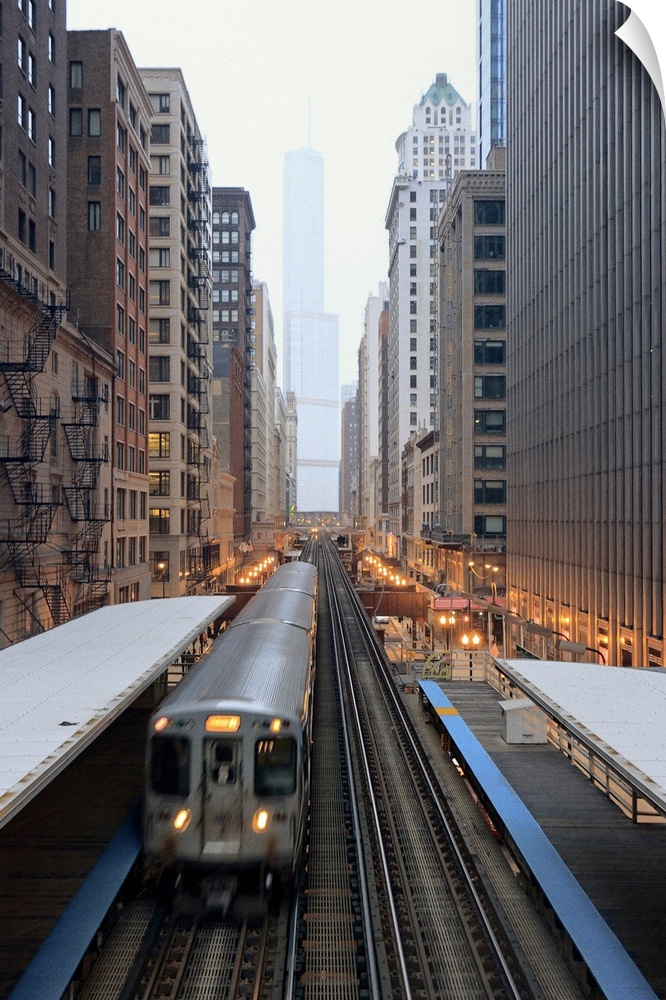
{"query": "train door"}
pixel 222 799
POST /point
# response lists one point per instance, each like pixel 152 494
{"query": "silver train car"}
pixel 228 751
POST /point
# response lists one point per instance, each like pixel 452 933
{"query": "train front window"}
pixel 170 765
pixel 275 766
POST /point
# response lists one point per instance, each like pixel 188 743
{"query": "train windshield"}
pixel 275 766
pixel 170 765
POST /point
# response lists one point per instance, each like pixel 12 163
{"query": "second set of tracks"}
pixel 418 922
pixel 390 902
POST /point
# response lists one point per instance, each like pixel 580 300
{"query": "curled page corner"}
pixel 646 17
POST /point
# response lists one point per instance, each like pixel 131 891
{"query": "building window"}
pixel 120 455
pixel 94 170
pixel 120 182
pixel 159 369
pixel 159 331
pixel 489 456
pixel 52 203
pixel 489 247
pixel 489 526
pixel 160 293
pixel 160 225
pixel 489 422
pixel 489 352
pixel 412 381
pixel 120 365
pixel 489 213
pixel 489 317
pixel 120 228
pixel 120 273
pixel 120 93
pixel 160 135
pixel 21 111
pixel 159 483
pixel 159 520
pixel 158 407
pixel 490 387
pixel 21 54
pixel 94 215
pixel 76 75
pixel 161 103
pixel 120 410
pixel 94 122
pixel 120 319
pixel 160 164
pixel 488 282
pixel 51 151
pixel 32 125
pixel 160 257
pixel 489 491
pixel 121 137
pixel 159 445
pixel 160 195
pixel 121 496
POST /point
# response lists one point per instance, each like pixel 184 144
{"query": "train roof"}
pixel 293 576
pixel 291 606
pixel 264 664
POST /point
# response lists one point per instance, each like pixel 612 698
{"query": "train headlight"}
pixel 260 821
pixel 182 820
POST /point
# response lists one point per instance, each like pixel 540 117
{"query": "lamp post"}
pixel 162 568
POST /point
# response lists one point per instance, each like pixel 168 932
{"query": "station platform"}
pixel 62 688
pixel 73 722
pixel 618 863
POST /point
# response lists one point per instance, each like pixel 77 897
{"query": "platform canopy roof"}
pixel 60 689
pixel 621 710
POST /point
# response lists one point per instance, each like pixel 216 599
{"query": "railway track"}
pixel 390 903
pixel 427 927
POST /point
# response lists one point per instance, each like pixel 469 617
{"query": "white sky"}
pixel 252 67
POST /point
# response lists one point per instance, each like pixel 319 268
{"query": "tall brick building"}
pixel 54 382
pixel 107 205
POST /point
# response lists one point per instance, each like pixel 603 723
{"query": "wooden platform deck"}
pixel 620 865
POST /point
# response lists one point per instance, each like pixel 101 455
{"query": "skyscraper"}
pixel 586 312
pixel 492 77
pixel 310 334
pixel 439 143
pixel 179 295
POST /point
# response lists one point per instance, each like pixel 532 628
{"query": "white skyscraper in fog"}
pixel 310 334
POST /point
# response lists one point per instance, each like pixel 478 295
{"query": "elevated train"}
pixel 228 752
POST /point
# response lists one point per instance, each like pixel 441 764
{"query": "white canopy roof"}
pixel 60 689
pixel 621 709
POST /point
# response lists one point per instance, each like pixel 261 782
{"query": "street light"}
pixel 162 568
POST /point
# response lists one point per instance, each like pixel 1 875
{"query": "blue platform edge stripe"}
pixel 51 970
pixel 614 970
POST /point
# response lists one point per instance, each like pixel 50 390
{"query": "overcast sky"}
pixel 252 69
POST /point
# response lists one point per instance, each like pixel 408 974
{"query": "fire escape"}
pixel 199 369
pixel 22 454
pixel 82 496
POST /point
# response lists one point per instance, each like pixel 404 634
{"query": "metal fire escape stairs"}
pixel 23 358
pixel 82 496
pixel 199 374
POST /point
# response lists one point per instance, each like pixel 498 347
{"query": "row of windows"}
pixel 225 218
pixel 128 411
pixel 127 555
pixel 131 465
pixel 131 372
pixel 126 504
